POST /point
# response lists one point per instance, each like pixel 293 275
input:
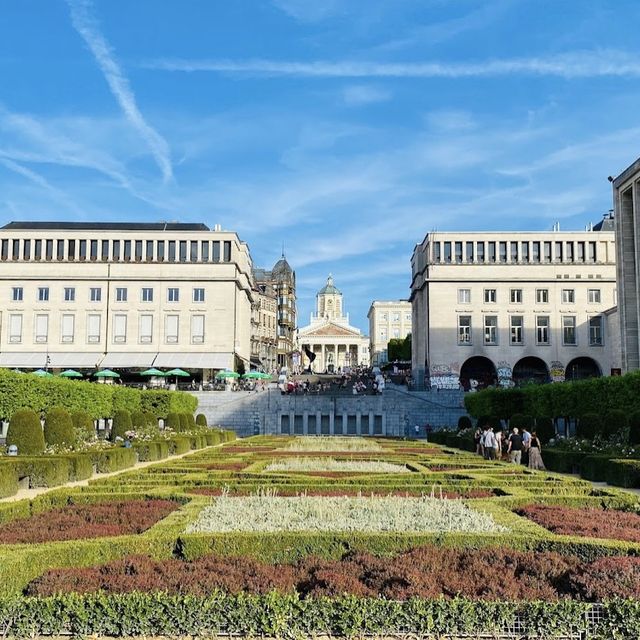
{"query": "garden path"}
pixel 28 494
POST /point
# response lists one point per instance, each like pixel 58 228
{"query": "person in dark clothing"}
pixel 515 447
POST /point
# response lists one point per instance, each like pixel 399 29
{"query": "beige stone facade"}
pixel 626 200
pixel 336 344
pixel 512 307
pixel 124 296
pixel 264 338
pixel 387 320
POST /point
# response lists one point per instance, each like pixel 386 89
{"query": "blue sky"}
pixel 346 129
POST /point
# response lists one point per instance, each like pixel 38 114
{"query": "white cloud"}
pixel 450 120
pixel 579 64
pixel 361 94
pixel 85 24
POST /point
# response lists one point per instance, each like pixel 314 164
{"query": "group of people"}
pixel 516 447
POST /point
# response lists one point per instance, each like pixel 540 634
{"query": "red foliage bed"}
pixel 426 572
pixel 81 521
pixel 590 522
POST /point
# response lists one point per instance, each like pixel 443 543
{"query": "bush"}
pixel 183 418
pixel 58 427
pixel 595 468
pixel 589 425
pixel 614 421
pixel 150 450
pixel 150 419
pixel 8 480
pixel 624 473
pixel 121 424
pixel 83 426
pixel 634 427
pixel 138 419
pixel 25 432
pixel 545 429
pixel 42 471
pixel 464 422
pixel 563 461
pixel 201 420
pixel 114 459
pixel 179 445
pixel 521 421
pixel 172 421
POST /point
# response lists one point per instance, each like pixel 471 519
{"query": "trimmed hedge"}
pixel 121 424
pixel 114 459
pixel 624 473
pixel 25 432
pixel 563 461
pixel 150 450
pixel 58 427
pixel 83 426
pixel 8 480
pixel 201 420
pixel 172 421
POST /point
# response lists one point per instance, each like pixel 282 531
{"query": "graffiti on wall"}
pixel 505 375
pixel 557 372
pixel 445 376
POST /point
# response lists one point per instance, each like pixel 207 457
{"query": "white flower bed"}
pixel 269 513
pixel 330 464
pixel 333 443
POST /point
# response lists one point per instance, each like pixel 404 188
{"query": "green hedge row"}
pixel 20 391
pixel 596 395
pixel 288 616
pixel 451 439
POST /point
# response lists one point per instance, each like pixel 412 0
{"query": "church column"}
pixel 357 354
pixel 324 358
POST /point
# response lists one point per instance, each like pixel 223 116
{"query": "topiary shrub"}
pixel 138 420
pixel 25 431
pixel 634 428
pixel 464 422
pixel 83 426
pixel 589 425
pixel 172 421
pixel 58 427
pixel 614 421
pixel 150 419
pixel 201 420
pixel 191 420
pixel 545 429
pixel 184 422
pixel 121 424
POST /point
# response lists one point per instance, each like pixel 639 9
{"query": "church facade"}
pixel 329 337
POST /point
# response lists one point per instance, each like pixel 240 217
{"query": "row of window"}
pixel 95 294
pixel 120 327
pixel 395 317
pixel 117 250
pixel 516 296
pixel 395 334
pixel 533 252
pixel 542 330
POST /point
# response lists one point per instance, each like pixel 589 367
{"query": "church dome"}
pixel 329 288
pixel 282 269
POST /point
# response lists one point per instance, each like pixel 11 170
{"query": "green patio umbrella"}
pixel 181 373
pixel 106 373
pixel 70 373
pixel 41 373
pixel 255 375
pixel 227 374
pixel 153 372
pixel 265 376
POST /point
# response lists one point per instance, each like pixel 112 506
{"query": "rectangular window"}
pixel 516 296
pixel 568 296
pixel 596 331
pixel 116 250
pixel 15 249
pixel 127 250
pixel 104 252
pixel 171 322
pixel 464 296
pixel 570 254
pixel 580 256
pixel 49 250
pixel 120 328
pixel 547 252
pixel 197 329
pixel 198 294
pixel 514 252
pixel 149 250
pixel 204 251
pixel 525 252
pixel 93 327
pixel 160 250
pixel 437 256
pixel 592 252
pixel 37 250
pixel 183 250
pixel 491 329
pixel 569 330
pixel 83 250
pixel 95 294
pixel 542 296
pixel 94 250
pixel 173 294
pixel 480 251
pixel 17 294
pixel 193 251
pixel 216 250
pixel 593 296
pixel 42 327
pixel 67 328
pixel 146 328
pixel 490 295
pixel 71 249
pixel 558 255
pixel 542 329
pixel 5 249
pixel 172 250
pixel 60 250
pixel 503 251
pixel 147 294
pixel 469 252
pixel 15 328
pixel 491 252
pixel 517 330
pixel 43 294
pixel 447 252
pixel 535 251
pixel 138 249
pixel 69 294
pixel 464 329
pixel 395 317
pixel 227 251
pixel 26 250
pixel 458 250
pixel 121 294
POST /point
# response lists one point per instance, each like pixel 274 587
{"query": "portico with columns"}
pixel 336 344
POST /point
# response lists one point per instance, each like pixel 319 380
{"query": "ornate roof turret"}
pixel 329 288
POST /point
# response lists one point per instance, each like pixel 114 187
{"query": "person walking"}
pixel 515 447
pixel 535 453
pixel 489 444
pixel 498 436
pixel 526 443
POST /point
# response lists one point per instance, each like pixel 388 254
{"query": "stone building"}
pixel 512 307
pixel 264 335
pixel 126 296
pixel 387 320
pixel 626 201
pixel 282 279
pixel 335 343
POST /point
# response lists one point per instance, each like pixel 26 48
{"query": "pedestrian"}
pixel 477 437
pixel 526 441
pixel 498 444
pixel 515 447
pixel 489 444
pixel 535 453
